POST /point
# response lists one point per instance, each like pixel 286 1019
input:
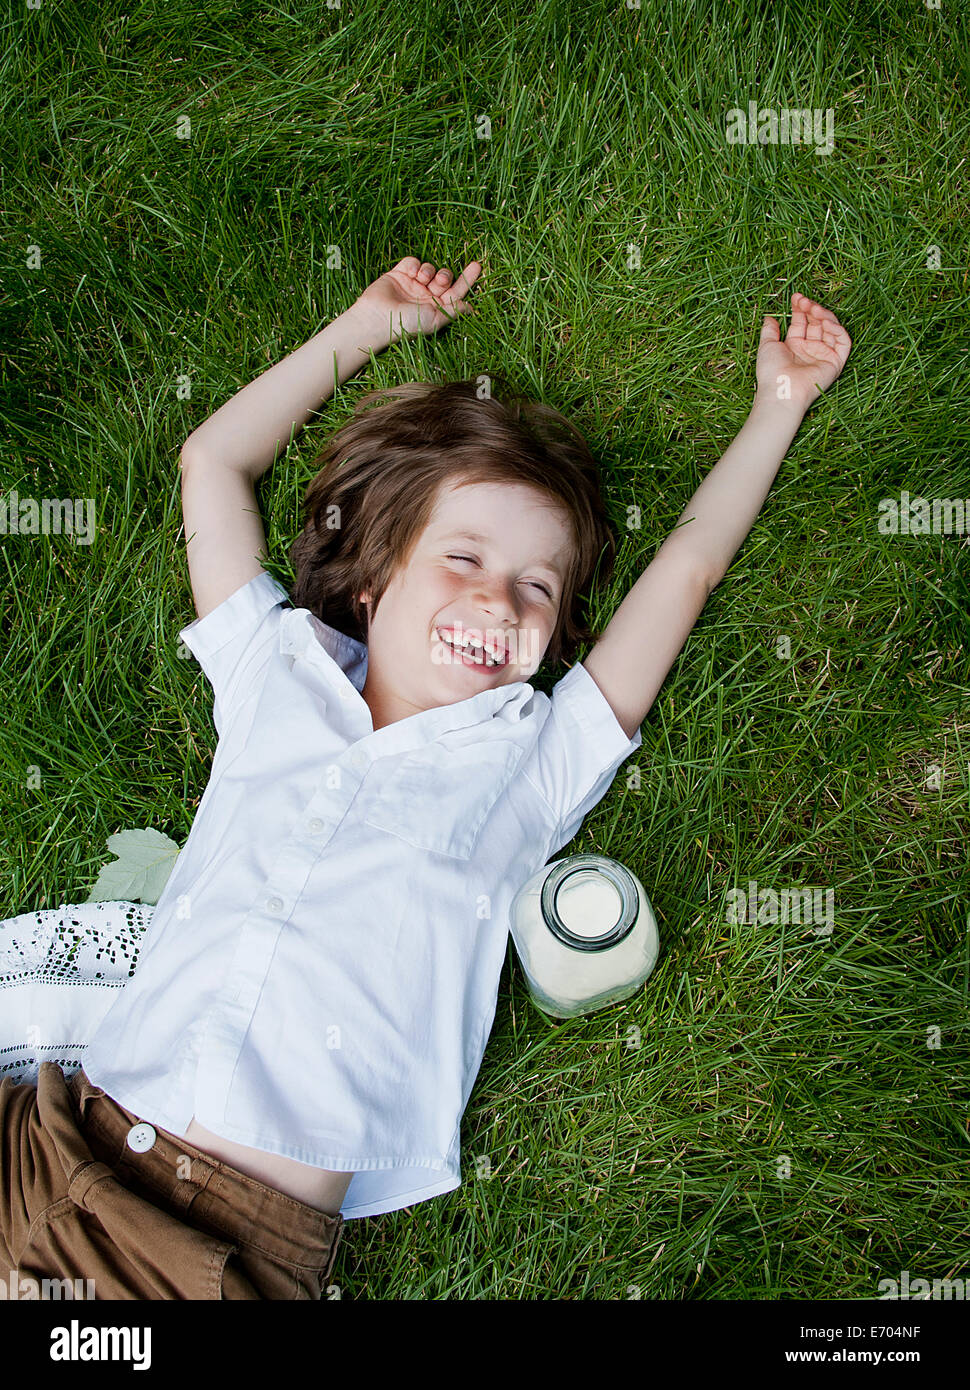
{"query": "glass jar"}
pixel 585 934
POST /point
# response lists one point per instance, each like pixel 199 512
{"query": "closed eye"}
pixel 534 582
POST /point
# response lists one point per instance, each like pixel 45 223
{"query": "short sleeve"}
pixel 233 644
pixel 578 751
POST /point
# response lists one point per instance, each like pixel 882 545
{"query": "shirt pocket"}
pixel 439 799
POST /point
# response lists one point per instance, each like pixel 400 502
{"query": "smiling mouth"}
pixel 471 655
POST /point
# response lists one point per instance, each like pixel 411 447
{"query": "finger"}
pixel 467 278
pixel 838 343
pixel 447 303
pixel 819 321
pixel 425 273
pixel 812 307
pixel 813 330
pixel 770 330
pixel 799 321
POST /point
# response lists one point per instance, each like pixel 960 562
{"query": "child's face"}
pixel 507 592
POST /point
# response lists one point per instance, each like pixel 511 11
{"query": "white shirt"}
pixel 321 972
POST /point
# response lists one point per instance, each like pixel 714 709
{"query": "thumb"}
pixel 770 330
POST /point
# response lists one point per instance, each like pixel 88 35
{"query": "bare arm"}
pixel 225 542
pixel 722 511
pixel 630 661
pixel 222 459
pixel 249 430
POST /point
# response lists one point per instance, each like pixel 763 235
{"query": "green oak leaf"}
pixel 144 864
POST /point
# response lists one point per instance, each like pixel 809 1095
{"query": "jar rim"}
pixel 621 879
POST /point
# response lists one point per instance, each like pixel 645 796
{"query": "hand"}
pixel 411 298
pixel 812 355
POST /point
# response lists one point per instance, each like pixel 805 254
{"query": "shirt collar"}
pixel 304 635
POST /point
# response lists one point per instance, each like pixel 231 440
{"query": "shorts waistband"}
pixel 241 1207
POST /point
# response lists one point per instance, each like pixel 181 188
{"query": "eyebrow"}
pixel 485 540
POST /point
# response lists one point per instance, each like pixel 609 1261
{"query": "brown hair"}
pixel 380 475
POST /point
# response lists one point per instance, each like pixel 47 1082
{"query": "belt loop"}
pixel 83 1091
pixel 185 1187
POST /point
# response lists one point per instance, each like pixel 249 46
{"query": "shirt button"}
pixel 274 904
pixel 315 826
pixel 140 1138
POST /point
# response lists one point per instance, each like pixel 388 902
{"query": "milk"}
pixel 585 934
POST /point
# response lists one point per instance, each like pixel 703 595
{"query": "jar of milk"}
pixel 585 933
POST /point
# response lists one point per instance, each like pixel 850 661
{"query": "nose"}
pixel 497 599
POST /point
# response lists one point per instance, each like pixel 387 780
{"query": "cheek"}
pixel 440 588
pixel 426 599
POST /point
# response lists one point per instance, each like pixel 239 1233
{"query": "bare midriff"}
pixel 321 1188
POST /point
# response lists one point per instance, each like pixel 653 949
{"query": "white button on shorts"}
pixel 140 1138
pixel 315 825
pixel 274 904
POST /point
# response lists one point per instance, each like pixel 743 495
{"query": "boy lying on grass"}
pixel 322 975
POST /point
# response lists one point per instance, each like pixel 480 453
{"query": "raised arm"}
pixel 221 460
pixel 631 660
pixel 247 432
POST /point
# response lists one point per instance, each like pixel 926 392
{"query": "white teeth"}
pixel 471 645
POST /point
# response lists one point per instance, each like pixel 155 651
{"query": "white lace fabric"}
pixel 60 971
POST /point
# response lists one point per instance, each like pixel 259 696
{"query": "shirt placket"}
pixel 246 979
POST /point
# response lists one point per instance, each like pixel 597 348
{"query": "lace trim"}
pixel 60 970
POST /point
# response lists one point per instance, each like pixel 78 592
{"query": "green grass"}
pixel 635 1152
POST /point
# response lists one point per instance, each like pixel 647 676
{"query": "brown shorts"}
pixel 78 1203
